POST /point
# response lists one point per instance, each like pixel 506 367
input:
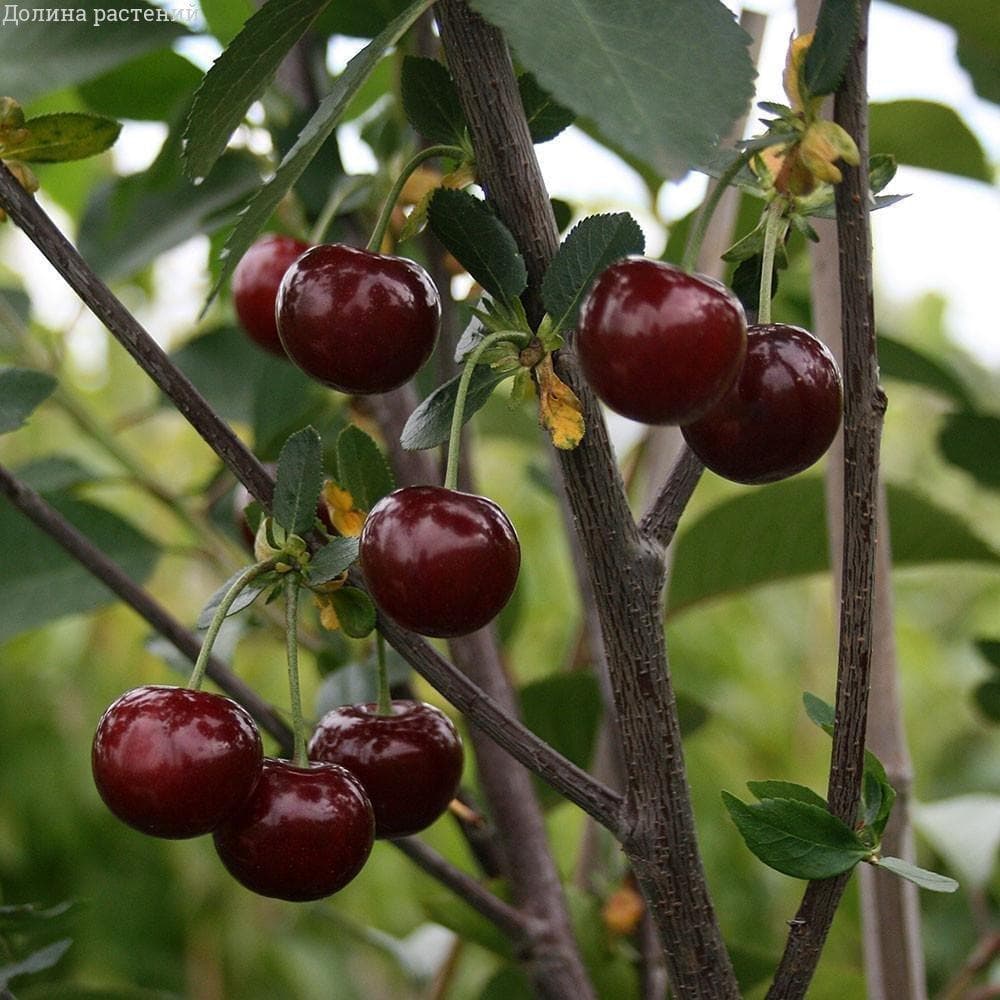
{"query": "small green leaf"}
pixel 592 245
pixel 243 600
pixel 355 610
pixel 362 468
pixel 785 790
pixel 21 390
pixel 430 423
pixel 546 118
pixel 430 101
pixel 745 282
pixel 331 560
pixel 311 139
pixel 480 242
pixel 971 441
pixel 796 838
pixel 826 60
pixel 68 135
pixel 819 711
pixel 877 796
pixel 299 481
pixel 238 77
pixel 919 876
pixel 37 961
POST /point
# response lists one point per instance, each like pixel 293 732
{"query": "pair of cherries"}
pixel 176 763
pixel 662 346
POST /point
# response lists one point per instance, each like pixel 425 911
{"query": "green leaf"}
pixel 310 140
pixel 430 101
pixel 21 390
pixel 819 711
pixel 281 406
pixel 41 57
pixel 40 582
pixel 69 135
pixel 361 468
pixel 929 135
pixel 592 245
pixel 785 790
pixel 480 242
pixel 150 88
pixel 545 707
pixel 546 118
pixel 634 68
pixel 919 876
pixel 989 649
pixel 331 560
pixel 796 838
pixel 130 221
pixel 298 481
pixel 355 610
pixel 987 698
pixel 901 361
pixel 243 600
pixel 359 18
pixel 225 18
pixel 430 423
pixel 877 796
pixel 238 77
pixel 777 532
pixel 826 60
pixel 972 442
pixel 37 961
pixel 56 474
pixel 964 830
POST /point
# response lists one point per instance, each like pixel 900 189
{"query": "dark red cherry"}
pixel 409 762
pixel 357 321
pixel 657 344
pixel 437 561
pixel 255 287
pixel 781 414
pixel 173 762
pixel 304 833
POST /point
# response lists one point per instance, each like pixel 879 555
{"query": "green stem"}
pixel 300 753
pixel 455 438
pixel 455 152
pixel 773 231
pixel 239 584
pixel 384 694
pixel 708 207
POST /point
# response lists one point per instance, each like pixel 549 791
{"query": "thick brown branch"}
pixel 626 571
pixel 864 405
pixel 114 577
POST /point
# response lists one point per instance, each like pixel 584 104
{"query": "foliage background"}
pixel 155 919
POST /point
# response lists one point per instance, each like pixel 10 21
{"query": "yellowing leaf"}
pixel 327 613
pixel 559 409
pixel 794 65
pixel 346 518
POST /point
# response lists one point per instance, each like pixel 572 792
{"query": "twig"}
pixel 864 405
pixel 660 521
pixel 111 574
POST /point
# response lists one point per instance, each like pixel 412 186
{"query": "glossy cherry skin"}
pixel 780 415
pixel 438 561
pixel 409 762
pixel 255 287
pixel 173 762
pixel 304 833
pixel 357 321
pixel 657 344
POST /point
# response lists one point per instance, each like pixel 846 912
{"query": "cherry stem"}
pixel 697 235
pixel 384 694
pixel 455 438
pixel 455 152
pixel 239 584
pixel 774 229
pixel 338 196
pixel 300 755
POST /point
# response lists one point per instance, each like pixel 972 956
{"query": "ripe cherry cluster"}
pixel 176 763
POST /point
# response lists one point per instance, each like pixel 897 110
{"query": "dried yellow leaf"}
pixel 558 407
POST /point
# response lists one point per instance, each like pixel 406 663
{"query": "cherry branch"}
pixel 864 406
pixel 660 522
pixel 62 531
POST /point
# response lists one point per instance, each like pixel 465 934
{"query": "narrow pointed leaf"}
pixel 819 711
pixel 762 790
pixel 546 117
pixel 298 481
pixel 243 600
pixel 310 140
pixel 918 876
pixel 480 242
pixel 331 560
pixel 430 423
pixel 37 961
pixel 238 77
pixel 796 838
pixel 430 100
pixel 591 245
pixel 826 60
pixel 362 469
pixel 21 390
pixel 68 135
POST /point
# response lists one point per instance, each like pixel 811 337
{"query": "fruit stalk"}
pixel 384 703
pixel 300 755
pixel 774 230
